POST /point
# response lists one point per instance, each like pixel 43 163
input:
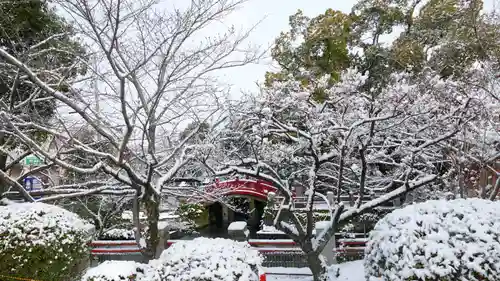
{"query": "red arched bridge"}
pixel 257 189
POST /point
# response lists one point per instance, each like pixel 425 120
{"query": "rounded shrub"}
pixel 41 241
pixel 437 241
pixel 205 259
pixel 120 271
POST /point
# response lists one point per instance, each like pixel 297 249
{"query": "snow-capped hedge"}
pixel 118 234
pixel 121 270
pixel 41 241
pixel 205 259
pixel 437 240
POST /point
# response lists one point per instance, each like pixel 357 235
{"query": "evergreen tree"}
pixel 447 36
pixel 32 31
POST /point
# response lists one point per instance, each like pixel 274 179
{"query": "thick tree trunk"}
pixel 315 261
pixel 317 266
pixel 152 208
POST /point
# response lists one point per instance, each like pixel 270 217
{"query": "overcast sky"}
pixel 275 14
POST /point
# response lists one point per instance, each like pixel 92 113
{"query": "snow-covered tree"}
pixel 145 67
pixel 437 240
pixel 475 152
pixel 355 141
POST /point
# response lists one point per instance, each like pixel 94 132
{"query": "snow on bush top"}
pixel 437 240
pixel 29 220
pixel 118 234
pixel 41 241
pixel 209 259
pixel 121 270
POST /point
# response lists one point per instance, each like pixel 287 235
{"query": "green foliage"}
pixel 41 243
pixel 317 216
pixel 447 36
pixel 42 40
pixel 190 212
pixel 322 48
pixel 363 223
pixel 56 261
pixel 200 135
pixel 191 260
pixel 438 240
pixel 32 32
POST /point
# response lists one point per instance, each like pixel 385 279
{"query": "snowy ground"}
pixel 349 271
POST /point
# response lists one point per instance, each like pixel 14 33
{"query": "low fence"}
pixel 103 250
pixel 277 253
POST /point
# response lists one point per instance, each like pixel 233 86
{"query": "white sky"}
pixel 275 14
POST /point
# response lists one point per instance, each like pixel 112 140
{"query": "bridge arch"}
pixel 257 189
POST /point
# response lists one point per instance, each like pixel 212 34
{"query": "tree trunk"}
pixel 315 260
pixel 136 219
pixel 4 186
pixel 461 181
pixel 152 208
pixel 317 266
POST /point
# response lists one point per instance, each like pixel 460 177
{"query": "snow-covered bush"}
pixel 437 240
pixel 41 241
pixel 205 259
pixel 118 234
pixel 121 270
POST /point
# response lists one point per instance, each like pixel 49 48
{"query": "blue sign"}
pixel 32 184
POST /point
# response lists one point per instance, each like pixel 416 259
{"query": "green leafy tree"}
pixel 199 130
pixel 322 48
pixel 447 36
pixel 33 31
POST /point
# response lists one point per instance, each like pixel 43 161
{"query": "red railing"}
pixel 353 245
pixel 245 187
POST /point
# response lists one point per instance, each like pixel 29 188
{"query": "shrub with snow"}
pixel 190 212
pixel 118 234
pixel 205 259
pixel 437 240
pixel 121 270
pixel 41 241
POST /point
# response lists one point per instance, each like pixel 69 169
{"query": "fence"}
pixel 277 253
pixel 103 250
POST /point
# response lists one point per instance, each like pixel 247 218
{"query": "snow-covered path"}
pixel 349 271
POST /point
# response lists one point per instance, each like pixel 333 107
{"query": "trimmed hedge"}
pixel 41 241
pixel 437 241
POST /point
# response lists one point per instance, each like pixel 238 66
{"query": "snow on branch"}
pixel 154 84
pixel 355 142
